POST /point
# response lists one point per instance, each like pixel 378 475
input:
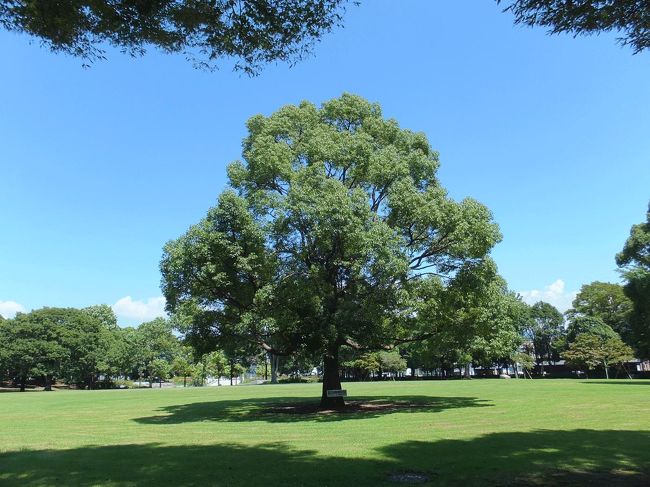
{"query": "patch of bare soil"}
pixel 350 407
pixel 409 478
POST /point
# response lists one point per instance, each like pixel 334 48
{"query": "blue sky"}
pixel 100 167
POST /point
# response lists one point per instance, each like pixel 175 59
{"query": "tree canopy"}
pixel 606 301
pixel 634 262
pixel 629 18
pixel 544 328
pixel 251 32
pixel 589 350
pixel 590 325
pixel 334 232
pixel 51 342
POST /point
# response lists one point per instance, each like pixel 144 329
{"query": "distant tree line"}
pixel 86 348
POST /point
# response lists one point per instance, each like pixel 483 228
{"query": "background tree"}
pixel 126 354
pixel 250 32
pixel 104 314
pixel 583 352
pixel 235 370
pixel 504 318
pixel 333 225
pixel 589 351
pixel 215 364
pixel 156 341
pixel 183 363
pixel 606 301
pixel 87 339
pixel 33 345
pixel 634 262
pixel 298 364
pixel 588 325
pixel 526 361
pixel 363 365
pixel 392 362
pixel 587 17
pixel 159 369
pixel 546 326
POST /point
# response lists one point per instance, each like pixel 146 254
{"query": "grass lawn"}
pixel 481 432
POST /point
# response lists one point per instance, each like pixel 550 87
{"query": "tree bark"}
pixel 23 380
pixel 515 367
pixel 275 359
pixel 331 380
pixel 48 383
pixel 266 366
pixel 467 374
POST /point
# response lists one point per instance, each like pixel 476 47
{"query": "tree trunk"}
pixel 48 383
pixel 266 366
pixel 467 374
pixel 331 380
pixel 606 372
pixel 160 382
pixel 22 384
pixel 515 367
pixel 184 381
pixel 275 361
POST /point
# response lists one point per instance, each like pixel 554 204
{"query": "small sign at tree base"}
pixel 337 393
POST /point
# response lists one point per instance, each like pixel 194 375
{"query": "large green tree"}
pixel 545 328
pixel 156 344
pixel 629 18
pixel 589 351
pixel 183 363
pixel 606 301
pixel 634 262
pixel 579 325
pixel 482 326
pixel 104 313
pixel 251 32
pixel 335 232
pixel 41 344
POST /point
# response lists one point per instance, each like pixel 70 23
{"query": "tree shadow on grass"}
pixel 294 409
pixel 545 458
pixel 620 382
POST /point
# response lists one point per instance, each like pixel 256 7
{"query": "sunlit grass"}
pixel 455 432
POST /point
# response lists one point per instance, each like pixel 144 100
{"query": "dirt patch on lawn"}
pixel 350 407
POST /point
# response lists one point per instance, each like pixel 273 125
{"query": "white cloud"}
pixel 131 309
pixel 8 309
pixel 555 294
